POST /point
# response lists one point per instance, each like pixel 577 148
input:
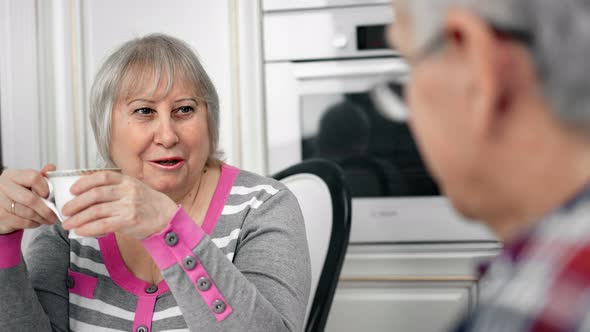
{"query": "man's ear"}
pixel 476 45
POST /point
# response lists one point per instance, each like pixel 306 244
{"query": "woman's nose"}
pixel 166 134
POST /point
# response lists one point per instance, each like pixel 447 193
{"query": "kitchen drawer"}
pixel 407 287
pixel 399 306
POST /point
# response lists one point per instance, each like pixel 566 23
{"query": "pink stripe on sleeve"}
pixel 184 228
pixel 188 236
pixel 82 284
pixel 10 253
pixel 210 295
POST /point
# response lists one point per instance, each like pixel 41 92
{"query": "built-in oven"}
pixel 320 65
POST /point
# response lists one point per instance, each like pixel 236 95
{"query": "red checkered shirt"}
pixel 541 281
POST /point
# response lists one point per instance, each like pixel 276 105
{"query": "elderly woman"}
pixel 191 242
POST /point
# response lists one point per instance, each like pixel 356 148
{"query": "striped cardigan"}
pixel 246 268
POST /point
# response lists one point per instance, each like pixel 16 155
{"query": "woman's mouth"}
pixel 169 164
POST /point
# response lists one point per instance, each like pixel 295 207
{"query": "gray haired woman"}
pixel 178 240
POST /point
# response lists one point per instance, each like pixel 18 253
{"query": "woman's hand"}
pixel 112 202
pixel 21 203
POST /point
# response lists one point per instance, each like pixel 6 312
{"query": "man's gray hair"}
pixel 140 64
pixel 560 44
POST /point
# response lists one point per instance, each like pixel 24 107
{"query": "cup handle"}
pixel 50 201
pixel 51 196
pixel 53 208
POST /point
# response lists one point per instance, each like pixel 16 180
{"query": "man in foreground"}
pixel 499 104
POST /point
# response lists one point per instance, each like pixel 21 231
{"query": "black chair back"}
pixel 333 176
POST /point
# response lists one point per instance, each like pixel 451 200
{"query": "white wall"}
pixel 53 49
pixel 19 99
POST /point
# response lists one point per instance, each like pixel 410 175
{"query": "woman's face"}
pixel 161 139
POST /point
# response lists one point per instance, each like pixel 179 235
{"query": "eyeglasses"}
pixel 388 96
pixel 389 100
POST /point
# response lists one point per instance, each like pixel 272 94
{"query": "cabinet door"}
pixel 423 306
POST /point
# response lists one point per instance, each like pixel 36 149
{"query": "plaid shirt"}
pixel 541 282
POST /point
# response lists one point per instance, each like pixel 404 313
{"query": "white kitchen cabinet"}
pixel 407 287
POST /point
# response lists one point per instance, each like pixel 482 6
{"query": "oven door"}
pixel 293 88
pixel 323 109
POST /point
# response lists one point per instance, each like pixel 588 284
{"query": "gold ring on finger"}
pixel 13 207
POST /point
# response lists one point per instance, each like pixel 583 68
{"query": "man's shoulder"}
pixel 547 283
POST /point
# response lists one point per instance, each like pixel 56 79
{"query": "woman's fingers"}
pixel 89 215
pixel 109 201
pixel 27 204
pixel 16 222
pixel 89 198
pixel 99 179
pixel 47 168
pixel 21 205
pixel 29 178
pixel 98 227
pixel 23 211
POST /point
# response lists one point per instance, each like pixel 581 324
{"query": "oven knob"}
pixel 340 41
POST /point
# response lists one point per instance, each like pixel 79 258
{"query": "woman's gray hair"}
pixel 140 64
pixel 560 44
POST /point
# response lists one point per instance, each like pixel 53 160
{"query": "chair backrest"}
pixel 325 203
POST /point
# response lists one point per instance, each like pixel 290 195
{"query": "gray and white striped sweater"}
pixel 245 269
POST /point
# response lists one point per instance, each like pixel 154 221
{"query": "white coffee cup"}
pixel 60 183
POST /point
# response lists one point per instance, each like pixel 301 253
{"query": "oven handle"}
pixel 394 66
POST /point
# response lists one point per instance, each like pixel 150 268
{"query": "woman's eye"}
pixel 185 110
pixel 144 111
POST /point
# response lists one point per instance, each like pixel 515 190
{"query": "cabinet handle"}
pixel 408 278
pixel 394 67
